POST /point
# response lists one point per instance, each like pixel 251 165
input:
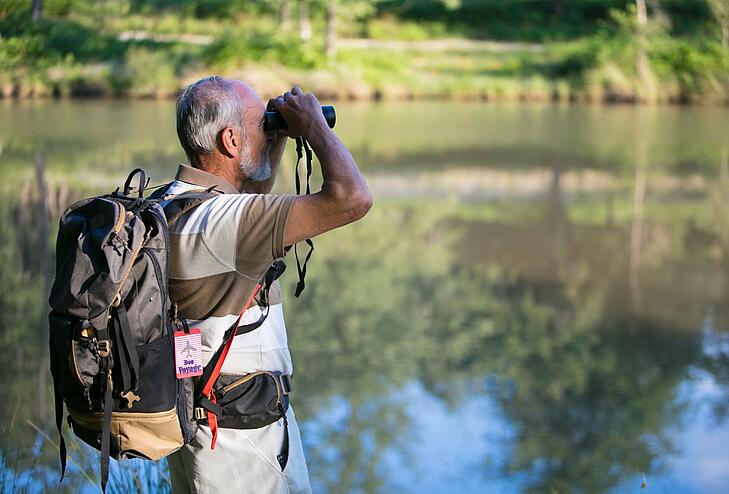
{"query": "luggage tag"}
pixel 188 354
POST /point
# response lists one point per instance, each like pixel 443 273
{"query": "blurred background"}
pixel 536 302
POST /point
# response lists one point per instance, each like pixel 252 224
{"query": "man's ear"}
pixel 230 142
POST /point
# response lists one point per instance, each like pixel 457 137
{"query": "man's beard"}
pixel 257 172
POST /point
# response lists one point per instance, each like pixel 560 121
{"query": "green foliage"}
pixel 388 27
pixel 203 8
pixel 150 73
pixel 536 20
pixel 589 53
pixel 57 38
pixel 17 50
pixel 233 50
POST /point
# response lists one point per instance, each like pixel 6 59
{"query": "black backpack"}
pixel 111 327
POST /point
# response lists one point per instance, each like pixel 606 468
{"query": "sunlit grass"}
pixel 106 52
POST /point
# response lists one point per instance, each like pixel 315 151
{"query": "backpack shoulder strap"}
pixel 179 204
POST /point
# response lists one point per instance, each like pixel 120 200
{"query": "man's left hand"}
pixel 276 135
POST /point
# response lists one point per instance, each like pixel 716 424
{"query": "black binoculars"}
pixel 273 120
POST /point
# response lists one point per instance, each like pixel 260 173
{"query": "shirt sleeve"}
pixel 260 237
pixel 246 231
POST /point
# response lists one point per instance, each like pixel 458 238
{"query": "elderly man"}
pixel 221 249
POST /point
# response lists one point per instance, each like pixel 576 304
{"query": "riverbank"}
pixel 74 57
pixel 363 70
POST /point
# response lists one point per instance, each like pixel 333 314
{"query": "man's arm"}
pixel 344 196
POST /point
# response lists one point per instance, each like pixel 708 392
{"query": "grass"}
pixel 23 474
pixel 80 55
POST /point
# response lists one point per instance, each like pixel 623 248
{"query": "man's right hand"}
pixel 302 113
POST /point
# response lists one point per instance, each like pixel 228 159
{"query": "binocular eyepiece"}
pixel 274 121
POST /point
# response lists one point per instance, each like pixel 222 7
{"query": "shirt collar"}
pixel 196 176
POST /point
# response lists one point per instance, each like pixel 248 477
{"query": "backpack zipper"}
pixel 248 377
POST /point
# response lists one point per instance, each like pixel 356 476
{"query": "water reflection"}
pixel 551 328
pixel 587 379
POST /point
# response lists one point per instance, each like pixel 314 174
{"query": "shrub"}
pixel 387 27
pixel 150 73
pixel 233 51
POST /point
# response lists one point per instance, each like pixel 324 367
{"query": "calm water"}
pixel 536 303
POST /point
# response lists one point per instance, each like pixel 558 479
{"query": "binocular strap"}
pixel 302 147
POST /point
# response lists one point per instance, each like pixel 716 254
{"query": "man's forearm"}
pixel 344 196
pixel 341 177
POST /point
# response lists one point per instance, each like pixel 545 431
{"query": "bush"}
pixel 234 51
pixel 84 43
pixel 18 51
pixel 387 27
pixel 150 73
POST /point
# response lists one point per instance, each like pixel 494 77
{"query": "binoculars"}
pixel 273 120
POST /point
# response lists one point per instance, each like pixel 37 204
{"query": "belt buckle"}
pixel 286 384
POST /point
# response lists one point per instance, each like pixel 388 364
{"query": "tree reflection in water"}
pixel 588 381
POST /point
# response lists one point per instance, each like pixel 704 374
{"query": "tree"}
pixel 351 10
pixel 642 65
pixel 304 21
pixel 331 36
pixel 286 16
pixel 35 12
pixel 720 8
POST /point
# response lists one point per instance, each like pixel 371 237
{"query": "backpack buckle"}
pixel 103 347
pixel 286 385
pixel 200 413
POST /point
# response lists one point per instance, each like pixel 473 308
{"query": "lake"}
pixel 536 302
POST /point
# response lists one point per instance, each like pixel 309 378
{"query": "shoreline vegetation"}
pixel 613 51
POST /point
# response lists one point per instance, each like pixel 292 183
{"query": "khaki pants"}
pixel 243 461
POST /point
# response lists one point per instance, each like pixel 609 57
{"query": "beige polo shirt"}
pixel 218 252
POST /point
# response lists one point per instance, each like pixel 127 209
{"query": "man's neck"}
pixel 251 187
pixel 221 168
pixel 226 168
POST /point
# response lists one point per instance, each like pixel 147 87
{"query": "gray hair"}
pixel 204 109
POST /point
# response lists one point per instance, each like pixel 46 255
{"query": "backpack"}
pixel 112 327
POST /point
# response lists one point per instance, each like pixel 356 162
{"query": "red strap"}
pixel 213 422
pixel 208 389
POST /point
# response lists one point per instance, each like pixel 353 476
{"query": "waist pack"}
pixel 249 401
pixel 111 335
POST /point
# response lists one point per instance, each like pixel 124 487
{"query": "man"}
pixel 221 249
